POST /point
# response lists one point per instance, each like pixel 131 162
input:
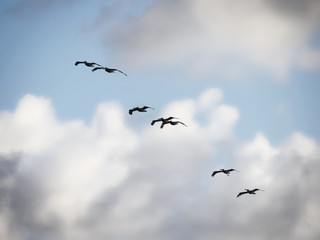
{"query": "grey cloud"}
pixel 167 192
pixel 195 211
pixel 8 166
pixel 8 169
pixel 297 8
pixel 198 33
pixel 22 197
pixel 27 199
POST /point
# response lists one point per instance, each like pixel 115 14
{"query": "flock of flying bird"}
pixel 227 172
pixel 164 121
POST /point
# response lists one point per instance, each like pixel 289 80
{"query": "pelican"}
pixel 162 120
pixel 253 191
pixel 173 123
pixel 225 171
pixel 139 109
pixel 88 64
pixel 109 70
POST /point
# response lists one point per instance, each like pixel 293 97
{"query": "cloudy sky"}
pixel 242 75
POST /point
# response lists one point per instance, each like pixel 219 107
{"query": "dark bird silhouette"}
pixel 253 191
pixel 173 123
pixel 88 64
pixel 139 109
pixel 225 171
pixel 162 120
pixel 109 70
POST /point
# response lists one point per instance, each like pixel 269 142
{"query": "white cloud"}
pixel 108 180
pixel 31 118
pixel 210 97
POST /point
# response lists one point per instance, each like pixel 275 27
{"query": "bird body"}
pixel 108 70
pixel 139 109
pixel 253 191
pixel 225 171
pixel 88 64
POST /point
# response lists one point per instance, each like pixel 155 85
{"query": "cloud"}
pixel 218 36
pixel 71 180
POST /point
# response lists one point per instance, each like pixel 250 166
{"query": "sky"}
pixel 242 75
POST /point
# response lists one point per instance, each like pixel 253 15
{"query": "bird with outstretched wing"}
pixel 109 70
pixel 139 109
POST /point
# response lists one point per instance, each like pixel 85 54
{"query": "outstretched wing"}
pixel 182 123
pixel 231 170
pixel 120 72
pixel 96 68
pixel 156 120
pixel 78 62
pixel 132 110
pixel 146 107
pixel 241 193
pixel 96 64
pixel 170 118
pixel 256 189
pixel 176 122
pixel 214 173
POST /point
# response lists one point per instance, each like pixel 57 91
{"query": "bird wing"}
pixel 241 193
pixel 256 189
pixel 96 64
pixel 170 118
pixel 231 170
pixel 132 110
pixel 182 123
pixel 96 68
pixel 156 120
pixel 146 107
pixel 214 173
pixel 120 72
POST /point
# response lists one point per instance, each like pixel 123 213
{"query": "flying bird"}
pixel 139 109
pixel 162 120
pixel 173 123
pixel 109 70
pixel 88 64
pixel 225 171
pixel 253 191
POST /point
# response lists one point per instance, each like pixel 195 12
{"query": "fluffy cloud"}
pixel 70 180
pixel 219 36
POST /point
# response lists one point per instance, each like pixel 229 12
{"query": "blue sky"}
pixel 41 43
pixel 244 77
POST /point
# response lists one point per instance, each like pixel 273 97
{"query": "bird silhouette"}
pixel 88 64
pixel 109 70
pixel 225 171
pixel 139 109
pixel 253 191
pixel 173 123
pixel 162 120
